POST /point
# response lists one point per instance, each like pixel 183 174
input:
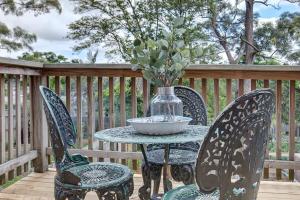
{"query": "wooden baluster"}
pixel 10 118
pixel 113 146
pixel 100 103
pixel 228 91
pixel 292 126
pixel 241 87
pixel 192 83
pixel 25 115
pixel 31 111
pixel 204 89
pixel 2 119
pixel 100 111
pixel 78 94
pixel 90 105
pixel 145 97
pixel 278 124
pixel 18 118
pixel 2 126
pixel 57 85
pixel 133 114
pixel 266 170
pixel 216 98
pixel 68 93
pixel 123 113
pixel 180 81
pixel 266 83
pixel 253 84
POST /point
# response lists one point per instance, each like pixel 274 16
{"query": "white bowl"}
pixel 156 125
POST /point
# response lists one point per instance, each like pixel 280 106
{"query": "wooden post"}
pixel 40 128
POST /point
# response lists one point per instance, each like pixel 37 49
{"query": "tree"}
pixel 115 23
pixel 44 57
pixel 280 39
pixel 16 38
pixel 237 31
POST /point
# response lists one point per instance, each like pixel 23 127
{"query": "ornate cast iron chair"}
pixel 75 175
pixel 182 156
pixel 230 161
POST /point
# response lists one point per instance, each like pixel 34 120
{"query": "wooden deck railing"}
pixel 105 95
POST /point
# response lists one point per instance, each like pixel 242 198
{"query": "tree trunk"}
pixel 249 50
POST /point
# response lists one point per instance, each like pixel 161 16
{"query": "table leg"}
pixel 166 181
pixel 145 190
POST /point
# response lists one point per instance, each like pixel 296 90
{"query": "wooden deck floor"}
pixel 40 187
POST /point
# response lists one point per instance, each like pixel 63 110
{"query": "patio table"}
pixel 128 135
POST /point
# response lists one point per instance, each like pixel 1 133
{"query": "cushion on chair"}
pixel 190 192
pixel 97 175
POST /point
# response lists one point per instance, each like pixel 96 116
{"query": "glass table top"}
pixel 194 133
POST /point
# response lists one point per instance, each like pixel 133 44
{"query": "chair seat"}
pixel 190 192
pixel 176 156
pixel 100 175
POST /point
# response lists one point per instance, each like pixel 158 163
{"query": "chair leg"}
pixel 61 193
pixel 183 173
pixel 155 174
pixel 156 184
pixel 145 190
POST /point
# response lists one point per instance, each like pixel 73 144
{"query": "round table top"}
pixel 194 133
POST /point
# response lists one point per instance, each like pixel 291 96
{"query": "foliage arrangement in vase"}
pixel 162 62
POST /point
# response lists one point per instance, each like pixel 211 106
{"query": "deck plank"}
pixel 40 187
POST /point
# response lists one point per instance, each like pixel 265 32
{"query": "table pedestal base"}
pixel 153 172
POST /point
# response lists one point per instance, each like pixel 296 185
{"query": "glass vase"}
pixel 165 106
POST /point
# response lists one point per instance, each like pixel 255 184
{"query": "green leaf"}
pixel 164 43
pixel 151 43
pixel 178 22
pixel 179 44
pixel 180 31
pixel 137 42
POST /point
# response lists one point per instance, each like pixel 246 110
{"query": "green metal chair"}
pixel 182 156
pixel 75 175
pixel 230 160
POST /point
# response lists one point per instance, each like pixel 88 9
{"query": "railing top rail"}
pixel 214 67
pixel 9 62
pixel 19 63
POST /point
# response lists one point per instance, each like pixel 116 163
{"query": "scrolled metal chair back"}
pixel 232 155
pixel 193 105
pixel 61 128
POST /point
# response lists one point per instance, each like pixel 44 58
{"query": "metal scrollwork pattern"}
pixel 75 175
pixel 62 116
pixel 193 105
pixel 232 155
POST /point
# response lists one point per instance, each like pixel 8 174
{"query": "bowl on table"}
pixel 156 125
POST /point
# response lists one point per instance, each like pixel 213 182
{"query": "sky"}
pixel 52 28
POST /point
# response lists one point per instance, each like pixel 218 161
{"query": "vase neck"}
pixel 165 91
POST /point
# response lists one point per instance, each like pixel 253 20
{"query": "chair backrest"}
pixel 61 127
pixel 193 105
pixel 232 155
